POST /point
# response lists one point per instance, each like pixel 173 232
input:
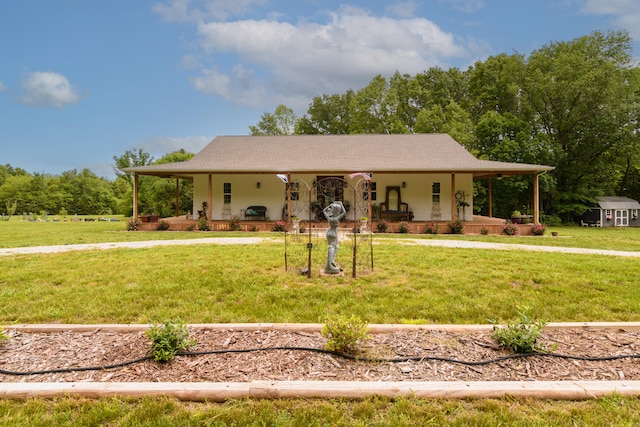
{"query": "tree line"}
pixel 84 193
pixel 573 105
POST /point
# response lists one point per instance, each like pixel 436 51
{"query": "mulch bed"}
pixel 28 351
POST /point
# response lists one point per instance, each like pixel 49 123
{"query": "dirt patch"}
pixel 60 350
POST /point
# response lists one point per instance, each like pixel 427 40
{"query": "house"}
pixel 412 177
pixel 612 212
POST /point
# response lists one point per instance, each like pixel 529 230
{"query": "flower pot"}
pixel 554 233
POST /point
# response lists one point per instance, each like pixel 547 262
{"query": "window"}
pixel 365 193
pixel 634 214
pixel 435 192
pixel 227 192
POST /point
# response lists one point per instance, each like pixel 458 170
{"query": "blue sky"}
pixel 82 81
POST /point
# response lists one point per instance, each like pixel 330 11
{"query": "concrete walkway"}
pixel 510 247
pixel 253 240
pixel 133 245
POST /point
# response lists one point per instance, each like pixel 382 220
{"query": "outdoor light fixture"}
pixel 283 177
pixel 258 185
pixel 404 184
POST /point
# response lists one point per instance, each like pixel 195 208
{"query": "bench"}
pixel 256 213
pixel 393 208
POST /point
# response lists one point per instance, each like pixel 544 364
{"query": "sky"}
pixel 83 81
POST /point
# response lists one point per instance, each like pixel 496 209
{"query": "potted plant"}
pixel 516 217
pixel 363 224
pixel 296 224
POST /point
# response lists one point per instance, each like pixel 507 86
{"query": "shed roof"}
pixel 616 202
pixel 337 154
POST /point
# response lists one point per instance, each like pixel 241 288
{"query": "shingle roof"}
pixel 337 153
pixel 615 202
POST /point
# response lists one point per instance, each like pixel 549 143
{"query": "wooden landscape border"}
pixel 220 392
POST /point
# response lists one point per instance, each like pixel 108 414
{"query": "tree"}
pixel 281 122
pixel 130 158
pixel 328 114
pixel 374 109
pixel 579 92
pixel 163 190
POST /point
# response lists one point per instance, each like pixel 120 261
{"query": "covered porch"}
pixel 491 224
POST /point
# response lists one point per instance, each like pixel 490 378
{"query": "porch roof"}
pixel 413 153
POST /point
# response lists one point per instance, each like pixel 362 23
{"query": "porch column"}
pixel 536 199
pixel 453 197
pixel 210 198
pixel 177 198
pixel 289 197
pixel 135 196
pixel 490 197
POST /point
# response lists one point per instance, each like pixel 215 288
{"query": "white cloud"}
pixel 159 146
pixel 2 87
pixel 306 59
pixel 49 89
pixel 403 9
pixel 198 10
pixel 625 13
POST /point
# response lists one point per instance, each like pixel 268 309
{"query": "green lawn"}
pixel 247 283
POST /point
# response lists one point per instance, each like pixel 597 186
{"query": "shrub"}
pixel 3 336
pixel 162 225
pixel 191 227
pixel 234 223
pixel 382 226
pixel 484 231
pixel 203 225
pixel 344 334
pixel 280 226
pixel 521 336
pixel 431 228
pixel 403 227
pixel 538 229
pixel 133 225
pixel 456 226
pixel 253 228
pixel 510 229
pixel 168 339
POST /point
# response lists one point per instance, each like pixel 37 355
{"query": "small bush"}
pixel 456 226
pixel 382 226
pixel 191 227
pixel 538 229
pixel 431 228
pixel 234 223
pixel 403 227
pixel 344 334
pixel 162 225
pixel 3 336
pixel 133 225
pixel 521 336
pixel 510 228
pixel 203 225
pixel 484 231
pixel 168 339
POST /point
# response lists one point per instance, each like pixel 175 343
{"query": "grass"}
pixel 613 410
pixel 247 283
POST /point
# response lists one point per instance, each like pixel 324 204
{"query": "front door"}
pixel 622 218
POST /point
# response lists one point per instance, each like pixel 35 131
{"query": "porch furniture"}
pixel 393 209
pixel 226 211
pixel 256 213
